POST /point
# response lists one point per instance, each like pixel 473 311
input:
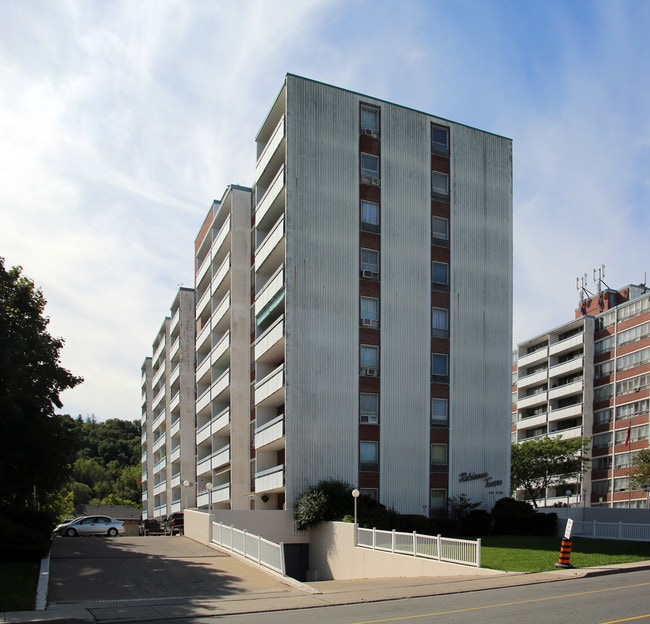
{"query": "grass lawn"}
pixel 520 553
pixel 18 581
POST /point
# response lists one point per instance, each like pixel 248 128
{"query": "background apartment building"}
pixel 223 370
pixel 168 423
pixel 590 378
pixel 354 310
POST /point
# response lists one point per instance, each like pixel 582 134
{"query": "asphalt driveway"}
pixel 98 569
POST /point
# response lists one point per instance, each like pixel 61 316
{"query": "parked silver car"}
pixel 90 525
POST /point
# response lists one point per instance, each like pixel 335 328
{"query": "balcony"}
pixel 222 237
pixel 220 348
pixel 567 434
pixel 160 442
pixel 160 488
pixel 565 368
pixel 270 480
pixel 568 389
pixel 271 251
pixel 221 384
pixel 568 344
pixel 271 433
pixel 272 202
pixel 533 399
pixel 270 345
pixel 174 322
pixel 203 303
pixel 269 149
pixel 173 350
pixel 175 402
pixel 565 412
pixel 175 455
pixel 531 358
pixel 203 269
pixel 221 309
pixel 203 336
pixel 270 390
pixel 534 379
pixel 270 290
pixel 532 421
pixel 220 275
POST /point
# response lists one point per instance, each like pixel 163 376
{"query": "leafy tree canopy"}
pixel 545 462
pixel 34 444
pixel 640 476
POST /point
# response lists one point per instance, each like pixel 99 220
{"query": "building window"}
pixel 438 500
pixel 440 184
pixel 369 406
pixel 370 120
pixel 369 263
pixel 440 322
pixel 438 455
pixel 370 312
pixel 369 455
pixel 440 365
pixel 440 140
pixel 370 493
pixel 370 166
pixel 369 216
pixel 440 229
pixel 369 360
pixel 440 273
pixel 439 411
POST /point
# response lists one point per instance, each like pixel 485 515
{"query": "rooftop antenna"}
pixel 601 278
pixel 581 287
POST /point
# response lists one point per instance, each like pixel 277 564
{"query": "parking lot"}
pixel 99 569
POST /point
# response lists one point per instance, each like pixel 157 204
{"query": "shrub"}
pixel 22 543
pixel 514 517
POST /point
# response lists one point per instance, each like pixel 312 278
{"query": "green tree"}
pixel 545 462
pixel 34 445
pixel 640 476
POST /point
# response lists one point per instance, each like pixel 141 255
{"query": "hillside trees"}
pixel 34 443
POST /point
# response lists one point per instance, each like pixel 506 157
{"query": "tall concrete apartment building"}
pixel 354 310
pixel 590 378
pixel 168 424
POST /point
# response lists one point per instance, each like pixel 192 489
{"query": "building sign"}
pixel 464 477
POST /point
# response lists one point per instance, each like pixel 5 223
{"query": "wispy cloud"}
pixel 121 121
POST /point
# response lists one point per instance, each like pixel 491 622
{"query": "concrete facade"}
pixel 168 421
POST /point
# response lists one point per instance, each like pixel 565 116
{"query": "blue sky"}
pixel 120 121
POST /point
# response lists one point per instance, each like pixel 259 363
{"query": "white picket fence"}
pixel 624 531
pixel 465 552
pixel 248 545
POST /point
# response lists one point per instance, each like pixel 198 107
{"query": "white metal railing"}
pixel 464 552
pixel 612 530
pixel 251 546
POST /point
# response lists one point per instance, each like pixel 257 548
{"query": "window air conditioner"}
pixel 366 322
pixel 368 131
pixel 371 372
pixel 366 274
pixel 375 181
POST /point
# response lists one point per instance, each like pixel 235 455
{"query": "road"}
pixel 606 599
pixel 154 579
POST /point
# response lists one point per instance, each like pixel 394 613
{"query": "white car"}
pixel 91 525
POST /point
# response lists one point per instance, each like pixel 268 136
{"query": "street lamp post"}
pixel 647 494
pixel 568 495
pixel 355 495
pixel 208 487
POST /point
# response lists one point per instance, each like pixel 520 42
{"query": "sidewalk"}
pixel 291 595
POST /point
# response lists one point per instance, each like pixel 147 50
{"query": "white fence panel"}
pixel 465 552
pixel 624 531
pixel 250 546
